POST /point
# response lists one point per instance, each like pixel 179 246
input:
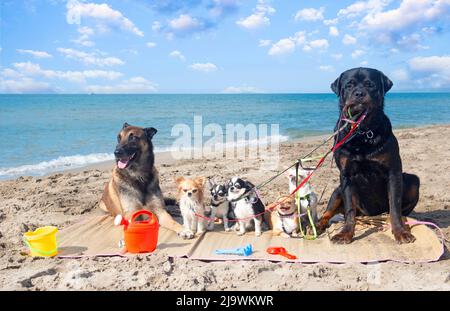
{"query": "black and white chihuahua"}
pixel 245 204
pixel 219 204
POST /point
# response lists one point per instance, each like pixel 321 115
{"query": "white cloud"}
pixel 24 85
pixel 364 63
pixel 9 73
pixel 357 53
pixel 85 30
pixel 90 58
pixel 259 18
pixel 132 85
pixel 31 69
pixel 410 12
pixel 399 75
pixel 319 44
pixel 85 33
pixel 404 26
pixel 326 68
pixel 287 45
pixel 241 89
pixel 310 14
pixel 178 55
pixel 101 13
pixel 150 44
pixel 330 22
pixel 263 43
pixel 430 64
pixel 184 23
pixel 36 54
pixel 429 71
pixel 283 46
pixel 347 40
pixel 333 31
pixel 360 7
pixel 337 56
pixel 203 67
pixel 220 8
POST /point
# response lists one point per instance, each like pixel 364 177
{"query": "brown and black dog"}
pixel 372 181
pixel 134 184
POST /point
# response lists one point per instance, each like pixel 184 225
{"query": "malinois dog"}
pixel 134 184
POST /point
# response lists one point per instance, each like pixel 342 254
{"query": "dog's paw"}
pixel 227 229
pixel 186 235
pixel 285 235
pixel 321 226
pixel 294 234
pixel 404 236
pixel 342 238
pixel 257 233
pixel 241 233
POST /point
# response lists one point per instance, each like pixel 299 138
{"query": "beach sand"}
pixel 60 199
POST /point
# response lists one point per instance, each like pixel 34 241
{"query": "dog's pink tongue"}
pixel 122 163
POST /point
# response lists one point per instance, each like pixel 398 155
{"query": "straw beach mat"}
pixel 97 236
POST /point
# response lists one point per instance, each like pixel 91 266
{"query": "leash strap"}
pixel 336 146
pixel 308 210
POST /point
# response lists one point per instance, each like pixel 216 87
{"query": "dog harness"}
pixel 282 216
pixel 308 210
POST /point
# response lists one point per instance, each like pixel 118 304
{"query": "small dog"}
pixel 307 196
pixel 219 204
pixel 245 204
pixel 190 196
pixel 284 217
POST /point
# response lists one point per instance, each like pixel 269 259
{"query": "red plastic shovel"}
pixel 280 251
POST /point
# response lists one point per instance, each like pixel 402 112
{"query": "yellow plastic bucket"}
pixel 42 241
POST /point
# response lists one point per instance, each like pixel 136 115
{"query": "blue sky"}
pixel 219 46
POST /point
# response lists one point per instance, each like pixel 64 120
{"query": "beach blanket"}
pixel 373 242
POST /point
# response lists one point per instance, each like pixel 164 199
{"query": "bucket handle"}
pixel 41 252
pixel 150 215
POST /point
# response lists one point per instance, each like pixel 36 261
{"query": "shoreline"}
pixel 167 158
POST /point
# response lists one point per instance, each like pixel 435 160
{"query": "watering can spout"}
pixel 119 220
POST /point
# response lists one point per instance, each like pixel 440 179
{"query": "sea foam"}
pixel 58 164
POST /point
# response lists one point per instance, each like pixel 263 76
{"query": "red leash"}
pixel 304 181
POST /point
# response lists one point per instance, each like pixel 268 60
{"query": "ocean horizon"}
pixel 44 133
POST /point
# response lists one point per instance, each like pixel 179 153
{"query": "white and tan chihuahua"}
pixel 192 206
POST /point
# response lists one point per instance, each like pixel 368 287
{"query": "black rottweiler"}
pixel 371 177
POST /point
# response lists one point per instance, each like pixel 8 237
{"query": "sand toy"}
pixel 42 242
pixel 140 236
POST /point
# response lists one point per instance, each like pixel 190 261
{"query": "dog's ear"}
pixel 336 86
pixel 150 132
pixel 125 125
pixel 211 182
pixel 290 174
pixel 200 181
pixel 386 83
pixel 178 180
pixel 249 186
